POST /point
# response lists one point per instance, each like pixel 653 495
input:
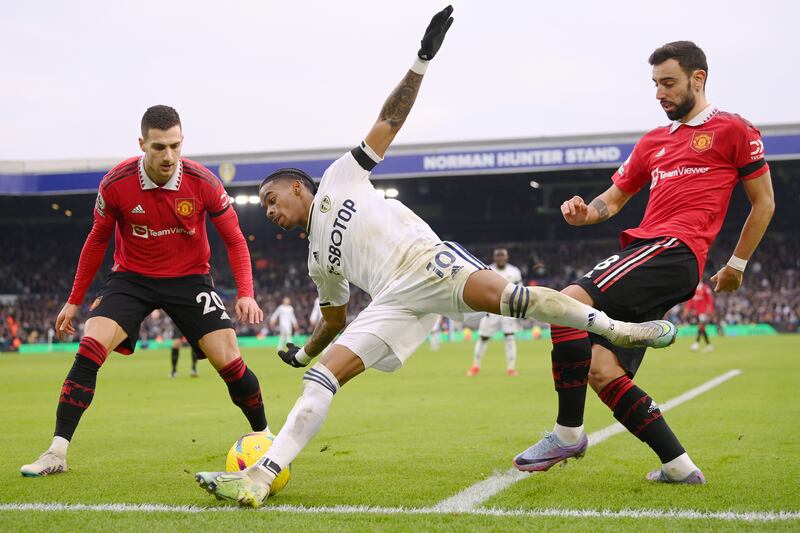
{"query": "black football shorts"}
pixel 640 283
pixel 190 301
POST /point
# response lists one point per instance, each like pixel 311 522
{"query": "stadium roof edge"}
pixel 22 168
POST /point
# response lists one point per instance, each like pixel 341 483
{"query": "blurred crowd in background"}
pixel 36 280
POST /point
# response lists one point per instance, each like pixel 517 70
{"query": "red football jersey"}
pixel 161 230
pixel 703 300
pixel 692 169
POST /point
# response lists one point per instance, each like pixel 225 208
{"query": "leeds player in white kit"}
pixel 492 323
pixel 284 317
pixel 381 246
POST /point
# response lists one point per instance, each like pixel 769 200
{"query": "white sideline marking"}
pixel 471 497
pixel 752 516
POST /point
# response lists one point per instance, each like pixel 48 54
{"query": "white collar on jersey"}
pixel 173 184
pixel 701 118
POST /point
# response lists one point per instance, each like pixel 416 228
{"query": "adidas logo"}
pixel 224 316
pixel 653 407
pixel 138 210
pixel 660 153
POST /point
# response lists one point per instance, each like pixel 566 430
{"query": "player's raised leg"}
pixel 250 487
pixel 101 334
pixel 487 291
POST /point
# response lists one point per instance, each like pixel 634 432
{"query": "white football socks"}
pixel 679 468
pixel 304 421
pixel 511 353
pixel 553 307
pixel 479 352
pixel 59 446
pixel 567 435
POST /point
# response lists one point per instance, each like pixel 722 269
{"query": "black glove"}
pixel 434 35
pixel 287 355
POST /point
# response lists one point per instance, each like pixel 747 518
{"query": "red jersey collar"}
pixel 173 184
pixel 702 117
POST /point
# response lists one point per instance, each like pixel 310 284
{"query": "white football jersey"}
pixel 510 272
pixel 284 315
pixel 357 236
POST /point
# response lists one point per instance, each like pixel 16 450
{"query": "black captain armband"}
pixel 752 167
pixel 366 156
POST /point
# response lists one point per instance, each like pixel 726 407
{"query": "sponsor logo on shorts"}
pixel 702 141
pixel 325 204
pixel 184 206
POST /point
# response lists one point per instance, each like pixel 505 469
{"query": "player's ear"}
pixel 699 80
pixel 141 144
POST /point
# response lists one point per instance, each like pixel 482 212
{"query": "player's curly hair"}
pixel 689 56
pixel 160 117
pixel 290 173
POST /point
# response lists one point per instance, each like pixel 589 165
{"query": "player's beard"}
pixel 682 109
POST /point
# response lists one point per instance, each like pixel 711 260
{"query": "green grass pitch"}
pixel 408 439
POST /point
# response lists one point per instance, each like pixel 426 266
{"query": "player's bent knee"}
pixel 601 375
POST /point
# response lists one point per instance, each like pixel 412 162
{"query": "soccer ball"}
pixel 249 449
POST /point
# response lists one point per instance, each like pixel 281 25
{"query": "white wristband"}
pixel 737 263
pixel 419 66
pixel 302 357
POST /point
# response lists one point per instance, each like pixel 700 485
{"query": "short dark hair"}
pixel 689 56
pixel 160 117
pixel 290 173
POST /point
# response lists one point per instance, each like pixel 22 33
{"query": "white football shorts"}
pixel 403 314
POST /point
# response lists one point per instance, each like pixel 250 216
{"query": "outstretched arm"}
pixel 397 107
